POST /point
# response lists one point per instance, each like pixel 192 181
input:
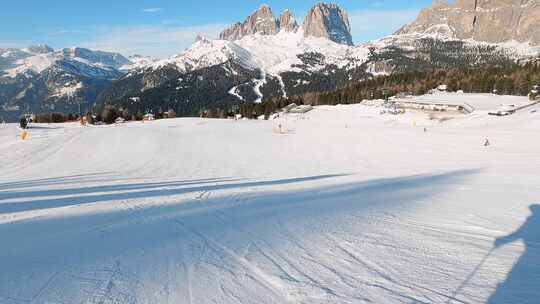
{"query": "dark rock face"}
pixel 233 32
pixel 262 21
pixel 287 22
pixel 323 20
pixel 328 21
pixel 482 20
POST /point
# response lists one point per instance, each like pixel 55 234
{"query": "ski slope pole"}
pixel 469 278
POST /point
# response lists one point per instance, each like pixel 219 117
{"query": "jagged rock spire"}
pixel 328 21
pixel 287 22
pixel 323 20
pixel 262 21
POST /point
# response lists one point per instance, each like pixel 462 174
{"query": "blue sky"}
pixel 165 27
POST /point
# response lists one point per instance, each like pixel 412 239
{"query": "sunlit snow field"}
pixel 346 206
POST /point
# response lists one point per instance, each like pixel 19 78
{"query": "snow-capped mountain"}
pixel 38 78
pixel 266 57
pixel 273 45
pixel 280 57
pixel 263 57
pixel 137 61
pixel 89 63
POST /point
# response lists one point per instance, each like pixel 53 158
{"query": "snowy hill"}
pixel 279 62
pixel 33 59
pixel 347 206
pixel 137 62
pixel 38 78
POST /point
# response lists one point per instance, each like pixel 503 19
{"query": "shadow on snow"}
pixel 201 219
pixel 140 190
pixel 523 281
pixel 255 217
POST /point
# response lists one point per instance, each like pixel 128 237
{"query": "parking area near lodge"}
pixel 466 103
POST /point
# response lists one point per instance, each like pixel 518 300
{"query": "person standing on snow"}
pixel 23 123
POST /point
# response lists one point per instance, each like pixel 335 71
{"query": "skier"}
pixel 23 123
pixel 487 143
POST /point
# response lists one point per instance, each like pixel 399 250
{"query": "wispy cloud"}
pixel 375 23
pixel 155 40
pixel 152 10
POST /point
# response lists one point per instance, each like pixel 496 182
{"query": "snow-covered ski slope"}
pixel 347 207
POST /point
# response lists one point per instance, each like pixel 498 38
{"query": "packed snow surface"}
pixel 347 206
pixel 479 102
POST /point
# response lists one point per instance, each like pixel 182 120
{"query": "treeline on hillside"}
pixel 511 80
pixel 54 117
pixel 506 80
pixel 110 114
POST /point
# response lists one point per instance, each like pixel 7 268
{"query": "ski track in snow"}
pixel 234 91
pixel 258 85
pixel 382 213
pixel 282 85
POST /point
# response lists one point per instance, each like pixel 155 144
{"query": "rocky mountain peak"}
pixel 264 9
pixel 233 32
pixel 262 21
pixel 287 22
pixel 328 21
pixel 323 20
pixel 492 21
